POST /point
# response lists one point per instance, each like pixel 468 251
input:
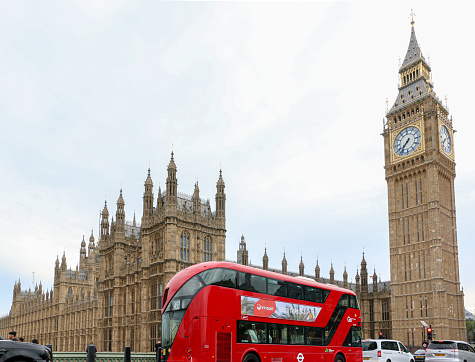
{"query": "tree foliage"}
pixel 470 330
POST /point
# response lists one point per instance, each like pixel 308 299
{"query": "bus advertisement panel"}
pixel 224 312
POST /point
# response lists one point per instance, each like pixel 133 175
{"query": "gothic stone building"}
pixel 114 295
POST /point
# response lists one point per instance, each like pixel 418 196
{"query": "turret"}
pixel 220 199
pixel 120 214
pixel 82 254
pixel 148 197
pixel 92 246
pixel 364 275
pixel 196 200
pixel 301 266
pixel 159 200
pixel 172 184
pixel 345 279
pixel 265 260
pixel 284 264
pixel 332 275
pixel 317 271
pixel 242 247
pixel 105 223
pixel 63 263
pixel 375 281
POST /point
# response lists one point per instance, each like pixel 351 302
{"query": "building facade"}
pixel 420 171
pixel 114 295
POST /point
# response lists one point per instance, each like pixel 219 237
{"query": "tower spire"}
pixel 147 197
pixel 172 184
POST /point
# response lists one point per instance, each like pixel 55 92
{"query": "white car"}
pixel 385 350
pixel 453 351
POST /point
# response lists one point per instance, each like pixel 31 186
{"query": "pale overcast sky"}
pixel 289 98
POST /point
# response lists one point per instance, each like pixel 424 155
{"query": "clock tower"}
pixel 420 172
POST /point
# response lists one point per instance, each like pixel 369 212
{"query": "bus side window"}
pixel 276 287
pixel 252 283
pixel 313 336
pixel 314 294
pixel 295 291
pixel 258 283
pixel 248 332
pixel 277 333
pixel 244 282
pixel 296 335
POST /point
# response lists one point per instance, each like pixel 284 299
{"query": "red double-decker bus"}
pixel 223 312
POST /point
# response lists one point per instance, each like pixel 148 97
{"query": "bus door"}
pixel 198 339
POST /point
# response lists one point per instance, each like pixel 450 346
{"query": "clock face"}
pixel 445 140
pixel 407 141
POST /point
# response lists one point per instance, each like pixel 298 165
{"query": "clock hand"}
pixel 405 143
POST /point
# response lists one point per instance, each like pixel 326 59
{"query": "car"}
pixel 449 350
pixel 23 351
pixel 419 355
pixel 385 350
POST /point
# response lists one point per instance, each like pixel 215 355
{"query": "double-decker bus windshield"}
pixel 176 309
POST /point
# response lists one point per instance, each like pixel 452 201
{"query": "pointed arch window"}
pixel 208 249
pixel 185 246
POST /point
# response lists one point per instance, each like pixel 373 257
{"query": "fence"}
pixel 102 357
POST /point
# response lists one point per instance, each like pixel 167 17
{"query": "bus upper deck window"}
pixel 220 276
pixel 276 287
pixel 252 282
pixel 295 291
pixel 353 301
pixel 343 300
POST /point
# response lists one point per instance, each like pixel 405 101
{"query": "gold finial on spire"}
pixel 412 17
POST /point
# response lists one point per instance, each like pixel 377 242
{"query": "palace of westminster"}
pixel 114 295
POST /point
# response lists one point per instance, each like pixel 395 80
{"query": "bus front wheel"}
pixel 251 357
pixel 339 358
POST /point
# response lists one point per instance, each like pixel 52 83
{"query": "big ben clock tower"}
pixel 420 172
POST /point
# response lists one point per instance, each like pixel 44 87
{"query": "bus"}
pixel 226 312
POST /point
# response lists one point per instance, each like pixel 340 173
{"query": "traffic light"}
pixel 429 334
pixel 380 335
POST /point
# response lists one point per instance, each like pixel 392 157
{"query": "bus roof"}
pixel 179 279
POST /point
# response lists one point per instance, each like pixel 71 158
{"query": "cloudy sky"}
pixel 289 98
